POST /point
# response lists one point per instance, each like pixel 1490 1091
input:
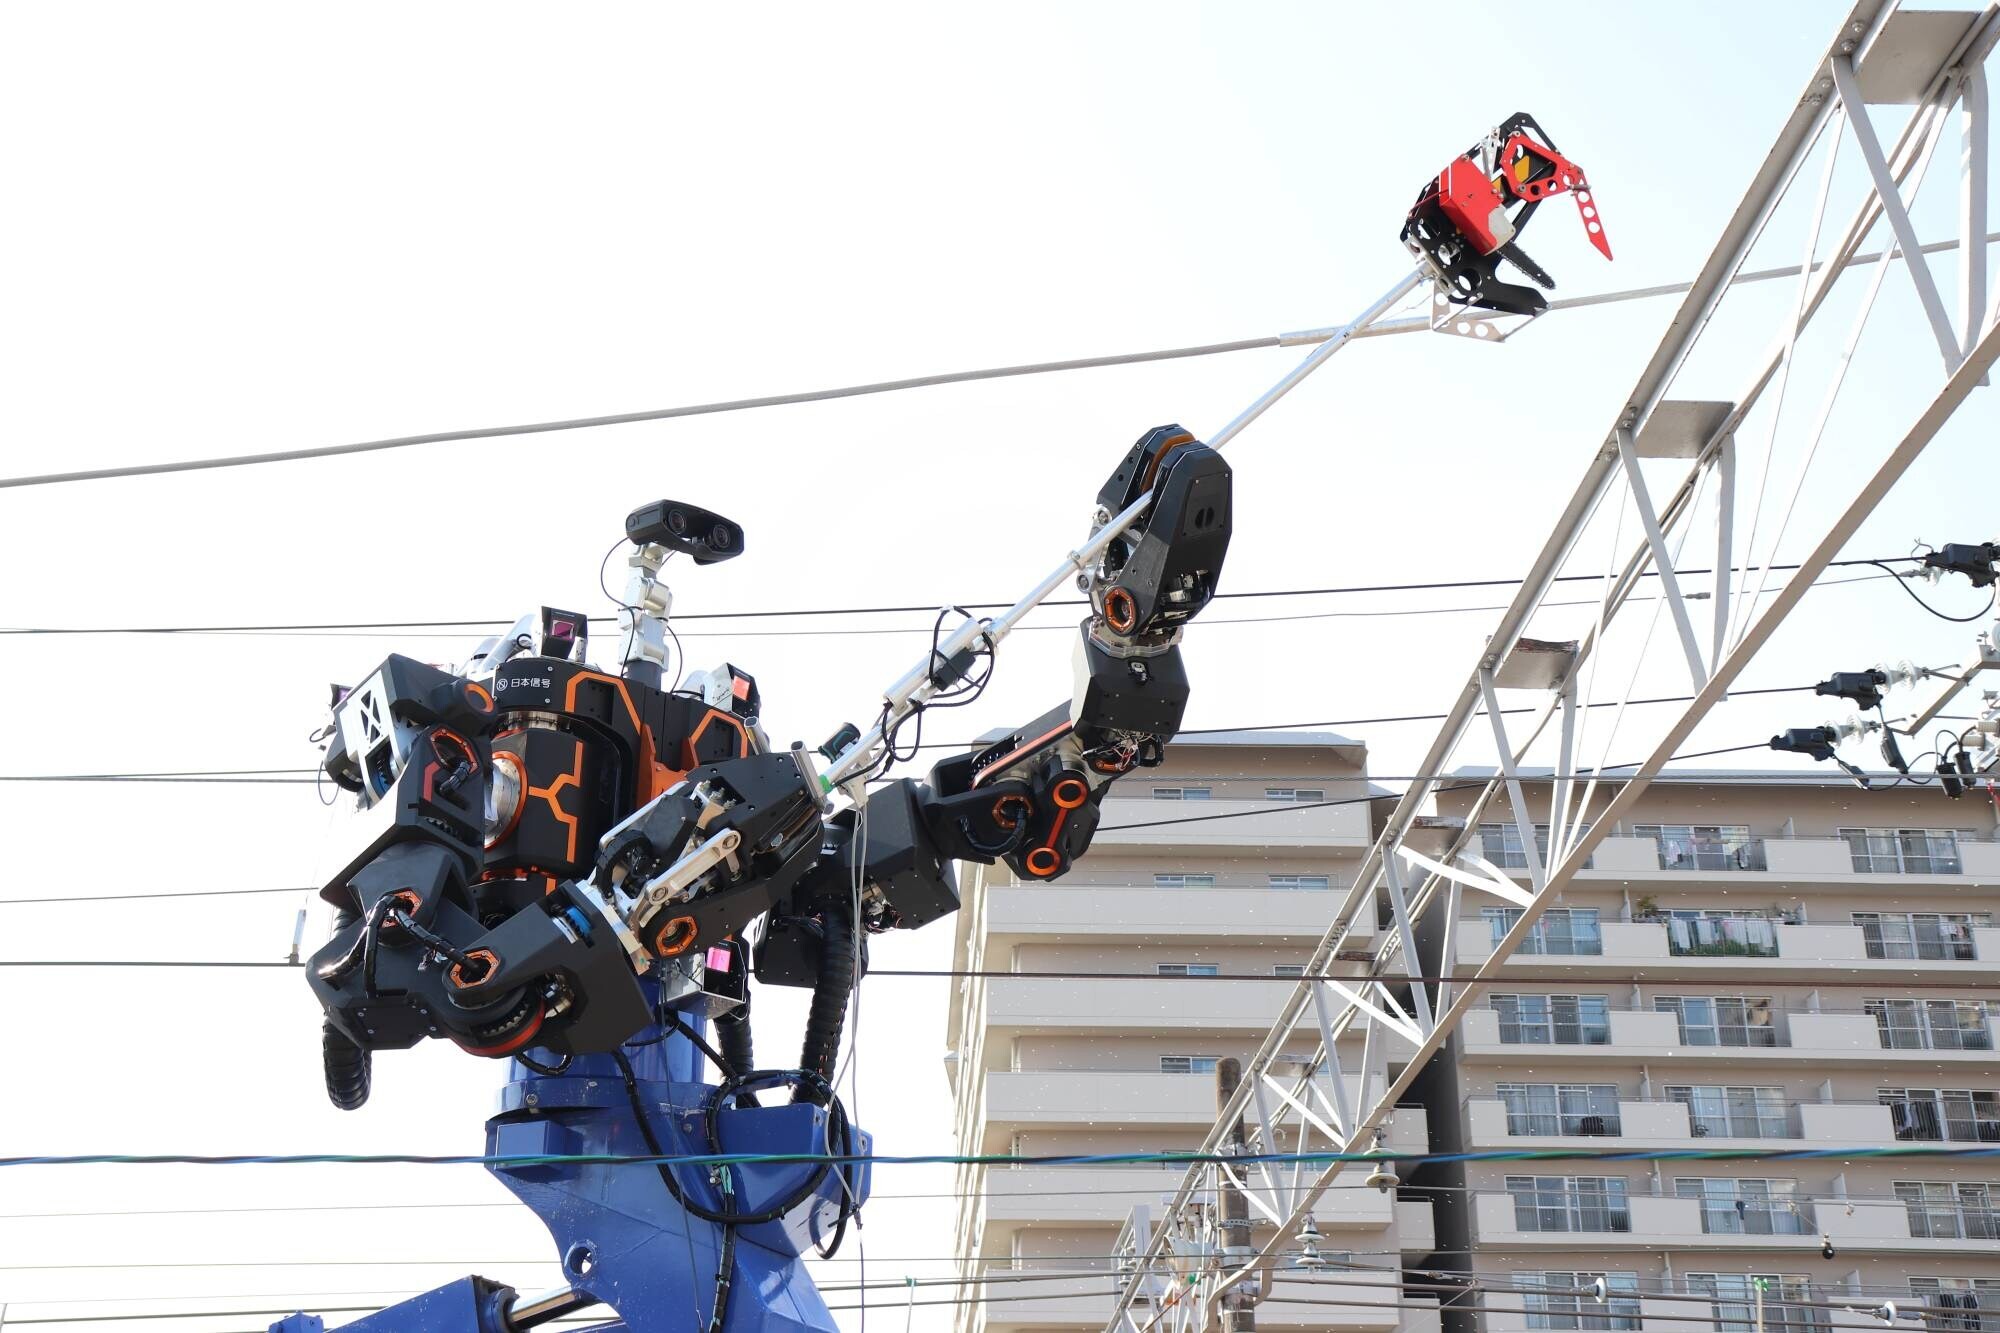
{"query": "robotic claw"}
pixel 582 870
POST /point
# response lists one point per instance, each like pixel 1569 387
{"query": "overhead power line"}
pixel 1382 328
pixel 1927 1151
pixel 239 776
pixel 498 622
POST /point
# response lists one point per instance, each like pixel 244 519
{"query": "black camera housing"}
pixel 702 535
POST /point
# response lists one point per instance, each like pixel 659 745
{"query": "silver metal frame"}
pixel 916 687
pixel 1930 62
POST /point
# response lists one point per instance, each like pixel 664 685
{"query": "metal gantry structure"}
pixel 1191 1261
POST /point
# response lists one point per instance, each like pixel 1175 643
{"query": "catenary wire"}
pixel 498 623
pixel 1265 342
pixel 1923 1151
pixel 195 776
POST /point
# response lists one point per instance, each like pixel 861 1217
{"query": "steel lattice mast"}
pixel 1179 1271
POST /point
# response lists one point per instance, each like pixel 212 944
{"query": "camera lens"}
pixel 719 539
pixel 677 522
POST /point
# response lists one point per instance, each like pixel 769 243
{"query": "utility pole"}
pixel 1239 1302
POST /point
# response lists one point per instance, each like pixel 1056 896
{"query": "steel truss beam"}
pixel 1178 1269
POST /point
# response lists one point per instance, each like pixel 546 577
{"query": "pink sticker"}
pixel 718 959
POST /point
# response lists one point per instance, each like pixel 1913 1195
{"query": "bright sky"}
pixel 249 227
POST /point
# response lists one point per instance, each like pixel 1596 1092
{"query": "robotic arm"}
pixel 1030 798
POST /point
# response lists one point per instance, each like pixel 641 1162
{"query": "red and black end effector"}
pixel 1469 219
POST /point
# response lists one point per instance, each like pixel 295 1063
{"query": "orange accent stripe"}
pixel 573 778
pixel 1026 748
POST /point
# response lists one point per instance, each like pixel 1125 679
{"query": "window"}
pixel 1183 881
pixel 1183 793
pixel 1733 1112
pixel 1289 970
pixel 1706 933
pixel 1187 969
pixel 1569 1203
pixel 1721 1020
pixel 1563 1020
pixel 1552 1304
pixel 1903 851
pixel 1704 846
pixel 1936 1115
pixel 1295 793
pixel 1584 1109
pixel 1735 1297
pixel 1501 845
pixel 1969 1294
pixel 1188 1064
pixel 1561 930
pixel 1930 935
pixel 1743 1207
pixel 1931 1025
pixel 1301 882
pixel 1948 1211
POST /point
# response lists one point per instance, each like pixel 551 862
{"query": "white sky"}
pixel 235 228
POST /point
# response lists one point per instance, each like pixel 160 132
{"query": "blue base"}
pixel 622 1236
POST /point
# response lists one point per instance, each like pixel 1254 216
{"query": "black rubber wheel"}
pixel 347 1067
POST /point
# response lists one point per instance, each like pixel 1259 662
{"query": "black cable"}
pixel 219 775
pixel 435 942
pixel 561 1066
pixel 495 621
pixel 1956 620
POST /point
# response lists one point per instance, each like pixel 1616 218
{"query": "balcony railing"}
pixel 1711 1117
pixel 1953 1221
pixel 1757 1217
pixel 1944 1121
pixel 1580 1124
pixel 1722 936
pixel 1921 941
pixel 1712 854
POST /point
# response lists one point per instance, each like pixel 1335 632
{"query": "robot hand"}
pixel 702 861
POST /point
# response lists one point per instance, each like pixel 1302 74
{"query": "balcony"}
pixel 1655 1222
pixel 1762 857
pixel 1097 1099
pixel 1130 823
pixel 1795 953
pixel 1844 1038
pixel 1043 1196
pixel 1124 1005
pixel 1358 1307
pixel 1735 936
pixel 1106 914
pixel 1671 1123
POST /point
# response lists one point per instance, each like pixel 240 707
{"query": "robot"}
pixel 581 870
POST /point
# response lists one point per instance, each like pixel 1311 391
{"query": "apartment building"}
pixel 1104 1037
pixel 1748 961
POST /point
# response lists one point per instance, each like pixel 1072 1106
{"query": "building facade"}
pixel 1168 947
pixel 1747 962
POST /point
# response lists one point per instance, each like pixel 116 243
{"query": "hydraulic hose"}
pixel 828 1016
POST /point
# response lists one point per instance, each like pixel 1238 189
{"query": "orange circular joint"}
pixel 1069 793
pixel 1015 802
pixel 512 762
pixel 464 750
pixel 514 1041
pixel 481 697
pixel 1043 861
pixel 489 959
pixel 1121 612
pixel 676 937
